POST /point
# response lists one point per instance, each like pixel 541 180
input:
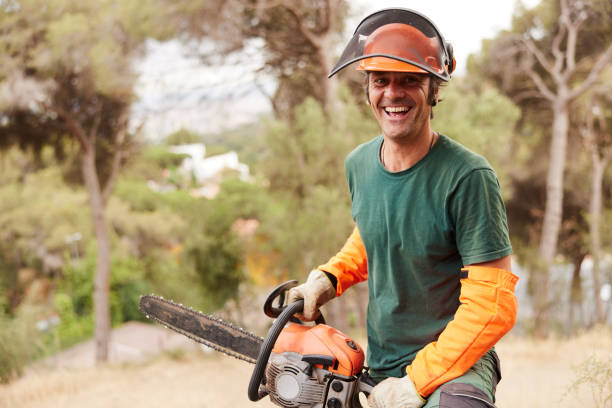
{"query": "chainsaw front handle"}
pixel 280 292
pixel 255 391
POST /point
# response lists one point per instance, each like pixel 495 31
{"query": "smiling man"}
pixel 431 234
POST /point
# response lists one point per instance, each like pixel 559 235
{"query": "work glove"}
pixel 395 392
pixel 316 291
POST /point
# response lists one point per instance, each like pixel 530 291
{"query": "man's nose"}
pixel 395 90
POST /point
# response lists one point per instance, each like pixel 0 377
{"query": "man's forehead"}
pixel 415 75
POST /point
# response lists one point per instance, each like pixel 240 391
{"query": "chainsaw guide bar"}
pixel 210 331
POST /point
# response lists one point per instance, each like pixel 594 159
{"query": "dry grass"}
pixel 193 380
pixel 536 374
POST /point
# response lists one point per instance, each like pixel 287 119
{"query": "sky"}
pixel 176 91
pixel 463 23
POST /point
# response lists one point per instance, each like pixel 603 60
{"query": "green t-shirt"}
pixel 419 227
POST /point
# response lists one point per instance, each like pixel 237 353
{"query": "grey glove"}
pixel 316 291
pixel 395 392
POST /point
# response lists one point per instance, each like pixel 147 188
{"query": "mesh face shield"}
pixel 398 40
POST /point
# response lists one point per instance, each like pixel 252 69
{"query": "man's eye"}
pixel 414 80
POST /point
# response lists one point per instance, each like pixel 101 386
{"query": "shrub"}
pixel 19 344
pixel 594 374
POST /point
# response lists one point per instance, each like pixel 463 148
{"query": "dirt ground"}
pixel 153 367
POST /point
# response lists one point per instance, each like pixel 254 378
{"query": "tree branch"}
pixel 73 127
pixel 601 63
pixel 537 80
pixel 527 94
pixel 328 16
pixel 535 51
pixel 96 123
pixel 572 35
pixel 118 156
pixel 556 48
pixel 307 33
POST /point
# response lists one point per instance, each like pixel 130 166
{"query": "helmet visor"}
pixel 400 40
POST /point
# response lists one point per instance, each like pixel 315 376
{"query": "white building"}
pixel 209 169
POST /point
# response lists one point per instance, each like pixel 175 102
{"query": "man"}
pixel 431 235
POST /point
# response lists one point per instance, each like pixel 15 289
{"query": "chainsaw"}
pixel 296 365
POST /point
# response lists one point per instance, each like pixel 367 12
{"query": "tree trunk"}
pixel 553 212
pixel 331 102
pixel 102 276
pixel 594 219
pixel 575 298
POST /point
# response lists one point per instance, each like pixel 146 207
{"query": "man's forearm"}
pixel 487 312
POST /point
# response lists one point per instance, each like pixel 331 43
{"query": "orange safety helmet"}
pixel 398 40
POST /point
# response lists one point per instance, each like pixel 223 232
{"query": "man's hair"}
pixel 434 84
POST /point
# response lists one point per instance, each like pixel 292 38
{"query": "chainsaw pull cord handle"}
pixel 266 349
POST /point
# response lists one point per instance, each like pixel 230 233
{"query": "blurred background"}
pixel 195 149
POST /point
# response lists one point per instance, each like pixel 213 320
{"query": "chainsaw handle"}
pixel 266 348
pixel 280 292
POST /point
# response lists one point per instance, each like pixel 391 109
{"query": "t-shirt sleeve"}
pixel 479 215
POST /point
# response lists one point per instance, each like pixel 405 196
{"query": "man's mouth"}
pixel 397 111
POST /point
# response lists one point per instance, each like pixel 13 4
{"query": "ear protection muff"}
pixel 451 57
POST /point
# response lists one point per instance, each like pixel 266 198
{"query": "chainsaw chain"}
pixel 213 346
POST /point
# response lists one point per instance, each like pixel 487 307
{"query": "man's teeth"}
pixel 392 109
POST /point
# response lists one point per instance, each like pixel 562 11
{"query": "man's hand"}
pixel 317 291
pixel 395 392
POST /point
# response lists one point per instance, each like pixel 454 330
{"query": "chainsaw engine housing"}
pixel 313 366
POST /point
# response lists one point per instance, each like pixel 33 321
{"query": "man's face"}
pixel 399 101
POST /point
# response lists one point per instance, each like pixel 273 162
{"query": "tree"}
pixel 598 141
pixel 67 80
pixel 484 120
pixel 555 53
pixel 299 38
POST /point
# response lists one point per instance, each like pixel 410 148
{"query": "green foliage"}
pixel 162 157
pixel 20 343
pixel 73 300
pixel 183 136
pixel 245 140
pixel 309 217
pixel 37 213
pixel 213 249
pixel 137 195
pixel 484 121
pixel 218 263
pixel 73 327
pixel 216 149
pixel 244 200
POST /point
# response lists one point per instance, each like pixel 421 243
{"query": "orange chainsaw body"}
pixel 322 340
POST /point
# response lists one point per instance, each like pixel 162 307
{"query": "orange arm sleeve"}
pixel 350 265
pixel 487 312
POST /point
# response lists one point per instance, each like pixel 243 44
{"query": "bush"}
pixel 74 299
pixel 19 344
pixel 594 374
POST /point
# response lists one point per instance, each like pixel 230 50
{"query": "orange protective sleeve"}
pixel 350 265
pixel 487 312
